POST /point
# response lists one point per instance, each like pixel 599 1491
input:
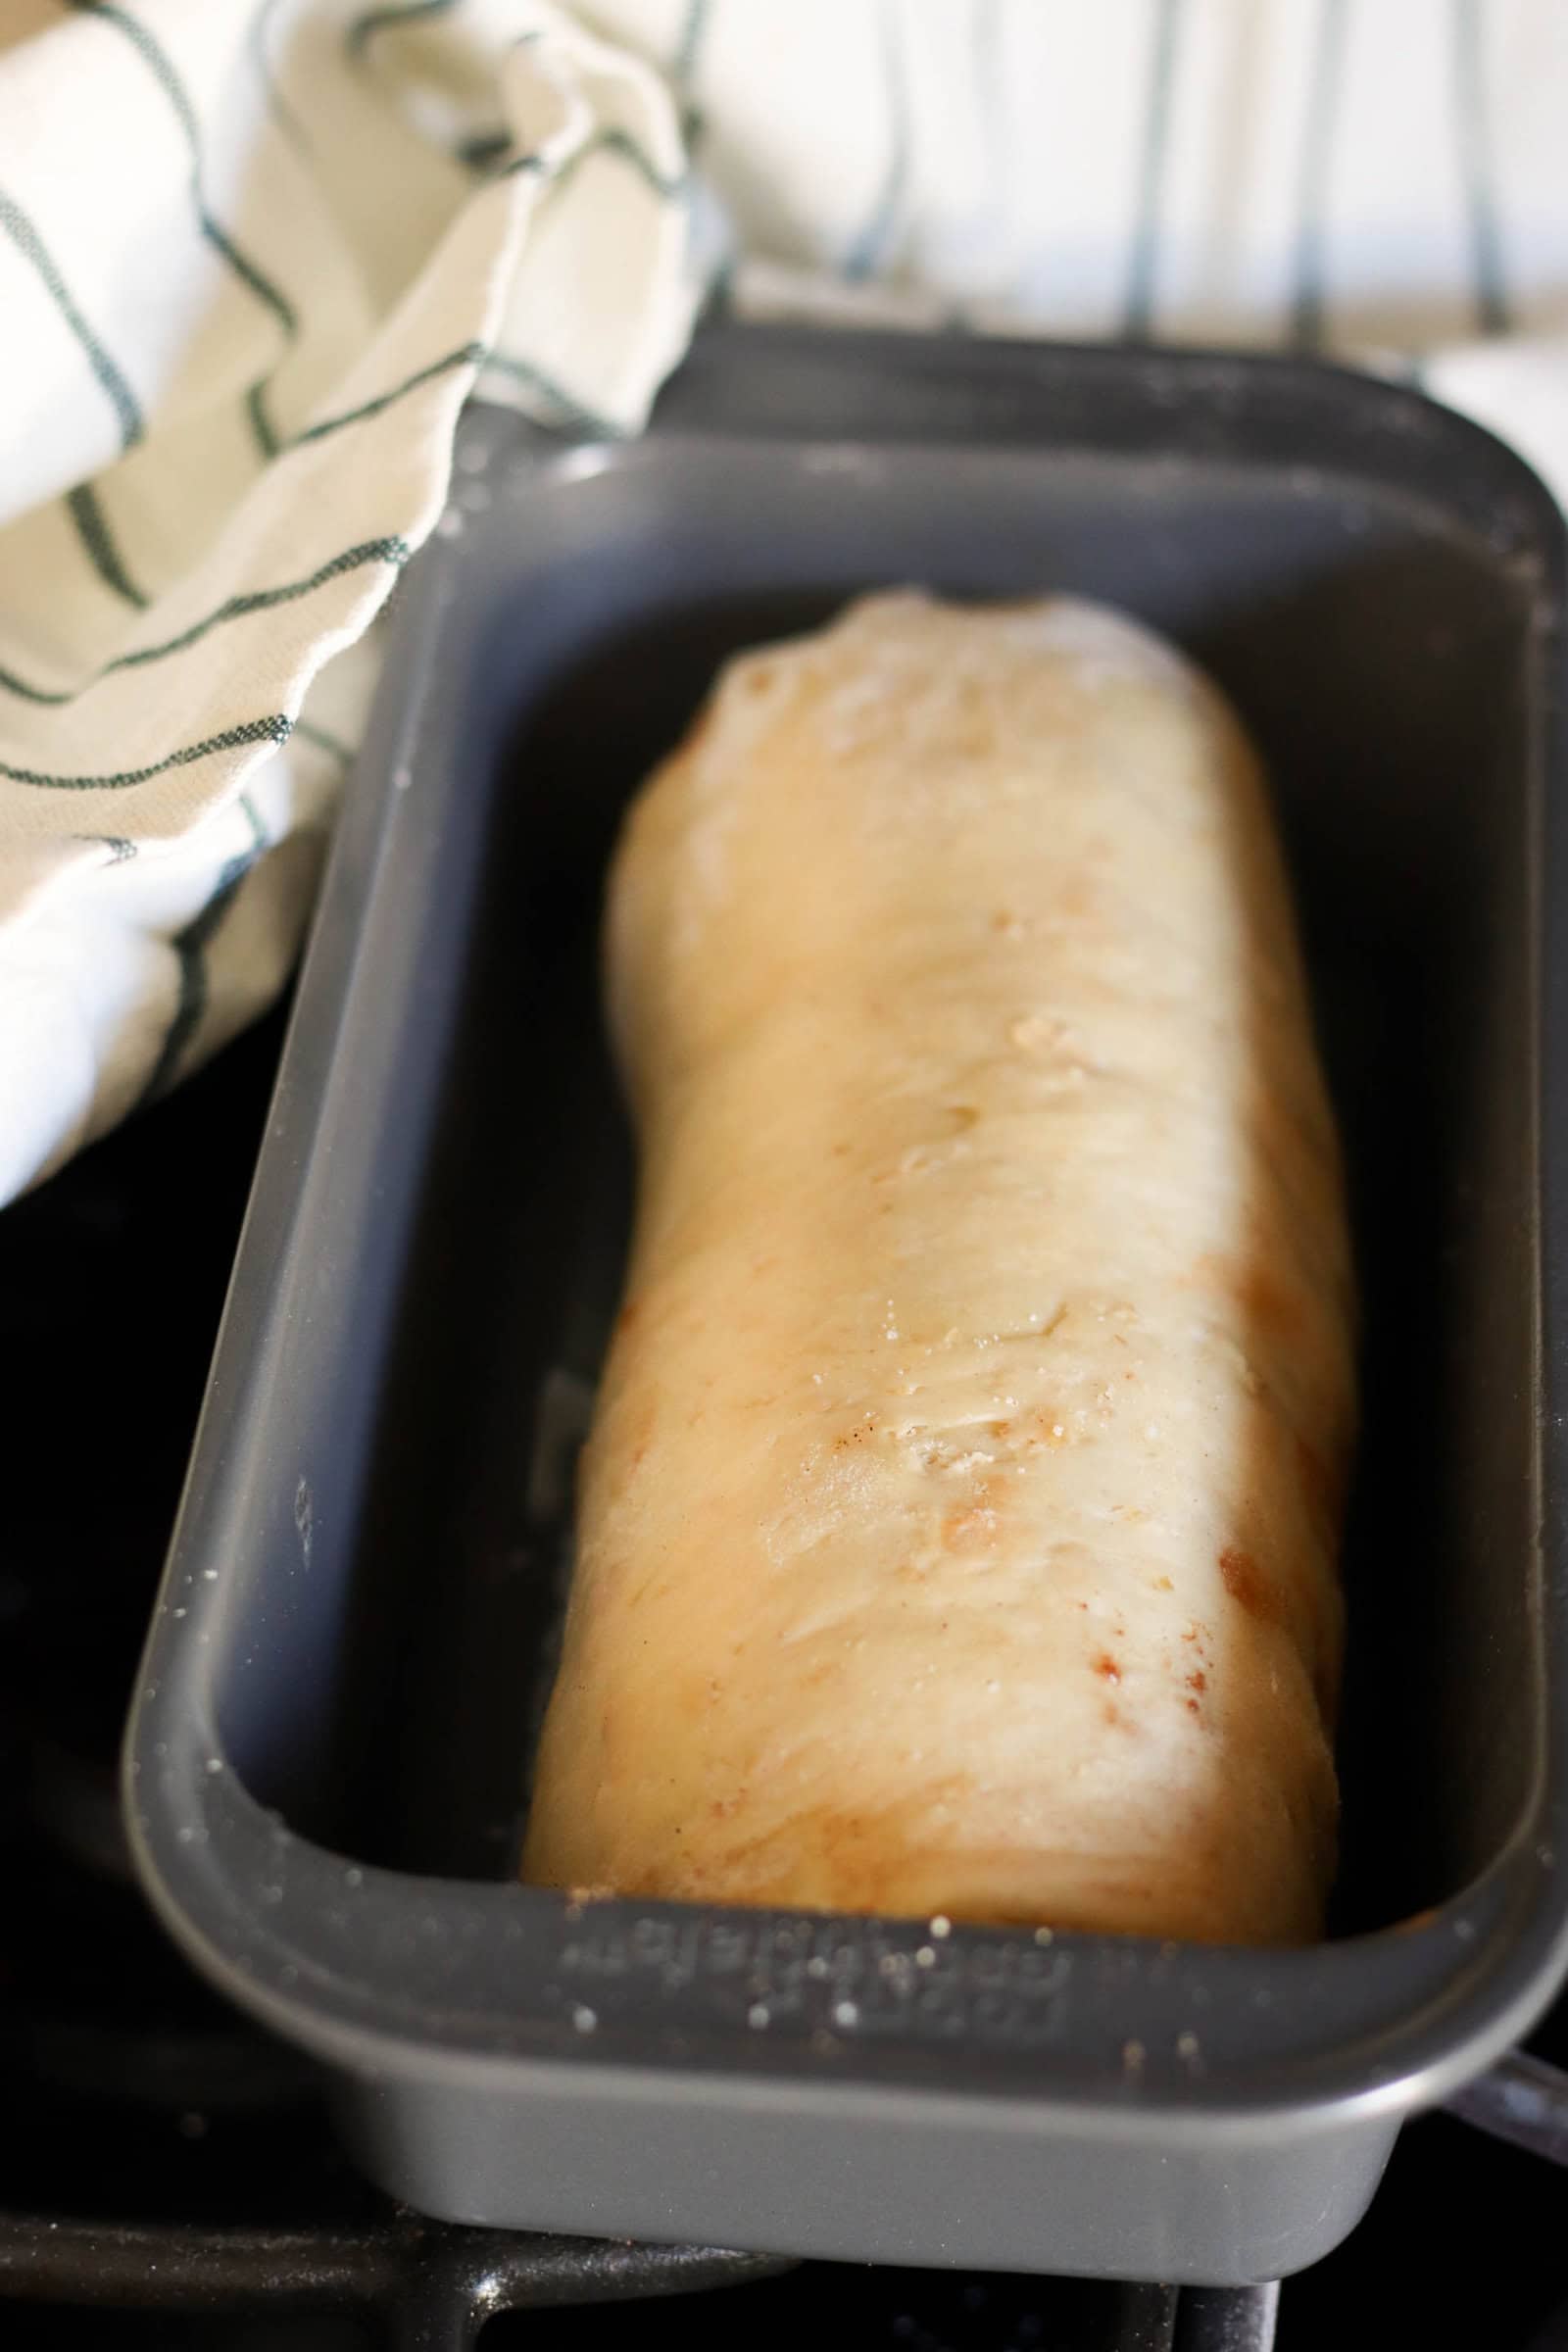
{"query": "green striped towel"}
pixel 255 255
pixel 253 261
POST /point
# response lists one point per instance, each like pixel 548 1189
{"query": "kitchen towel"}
pixel 255 256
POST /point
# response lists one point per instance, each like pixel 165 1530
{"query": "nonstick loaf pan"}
pixel 328 1755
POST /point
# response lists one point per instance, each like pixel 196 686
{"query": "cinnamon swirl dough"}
pixel 958 1527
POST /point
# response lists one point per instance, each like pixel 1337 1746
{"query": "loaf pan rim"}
pixel 178 1877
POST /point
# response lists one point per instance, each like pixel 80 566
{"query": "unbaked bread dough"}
pixel 959 1525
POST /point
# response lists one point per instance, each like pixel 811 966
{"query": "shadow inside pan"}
pixel 1379 659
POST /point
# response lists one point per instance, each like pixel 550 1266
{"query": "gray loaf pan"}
pixel 328 1754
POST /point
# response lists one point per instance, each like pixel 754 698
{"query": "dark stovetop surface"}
pixel 128 2096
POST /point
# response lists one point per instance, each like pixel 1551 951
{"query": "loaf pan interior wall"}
pixel 1379 655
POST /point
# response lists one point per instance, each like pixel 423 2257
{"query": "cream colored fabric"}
pixel 253 260
pixel 959 1529
pixel 255 254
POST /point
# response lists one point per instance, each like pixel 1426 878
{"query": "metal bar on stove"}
pixel 165 2267
pixel 438 2280
pixel 1522 2100
pixel 1228 2319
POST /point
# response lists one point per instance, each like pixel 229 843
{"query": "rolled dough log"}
pixel 958 1525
